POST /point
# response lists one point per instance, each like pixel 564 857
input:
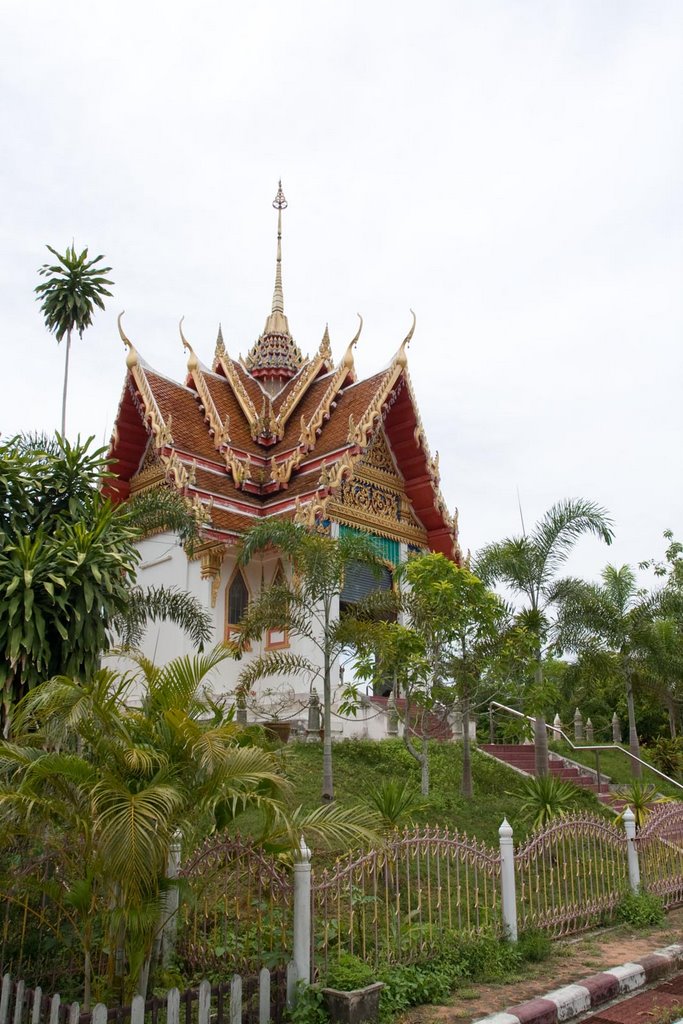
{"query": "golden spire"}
pixel 276 356
pixel 280 204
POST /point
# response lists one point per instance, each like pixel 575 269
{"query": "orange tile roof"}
pixel 260 493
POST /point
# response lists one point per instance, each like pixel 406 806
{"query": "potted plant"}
pixel 350 993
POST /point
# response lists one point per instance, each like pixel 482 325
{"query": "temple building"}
pixel 279 434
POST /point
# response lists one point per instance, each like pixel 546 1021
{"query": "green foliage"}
pixel 303 605
pixel 546 797
pixel 641 797
pixel 67 561
pixel 73 287
pixel 461 960
pixel 534 946
pixel 640 910
pixel 396 801
pixel 67 565
pixel 348 972
pixel 667 755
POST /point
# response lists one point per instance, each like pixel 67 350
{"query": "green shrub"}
pixel 640 910
pixel 534 946
pixel 348 973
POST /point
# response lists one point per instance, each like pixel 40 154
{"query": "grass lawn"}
pixel 618 767
pixel 359 765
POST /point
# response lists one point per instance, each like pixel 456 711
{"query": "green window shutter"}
pixel 385 548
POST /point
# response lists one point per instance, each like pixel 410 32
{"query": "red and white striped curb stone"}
pixel 573 1000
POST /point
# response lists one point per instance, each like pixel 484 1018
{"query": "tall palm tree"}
pixel 68 296
pixel 613 617
pixel 528 564
pixel 306 605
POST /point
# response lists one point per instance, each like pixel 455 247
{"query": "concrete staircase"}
pixel 522 757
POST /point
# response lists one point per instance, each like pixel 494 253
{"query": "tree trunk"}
pixel 66 381
pixel 466 788
pixel 540 731
pixel 633 745
pixel 671 704
pixel 328 782
pixel 422 757
pixel 87 980
pixel 424 780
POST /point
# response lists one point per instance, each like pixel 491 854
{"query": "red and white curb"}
pixel 573 1000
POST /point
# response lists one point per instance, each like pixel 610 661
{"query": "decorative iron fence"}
pixel 395 902
pixel 660 853
pixel 571 874
pixel 237 908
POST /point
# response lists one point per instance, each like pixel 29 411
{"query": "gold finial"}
pixel 220 352
pixel 280 204
pixel 192 361
pixel 325 346
pixel 347 359
pixel 132 355
pixel 402 355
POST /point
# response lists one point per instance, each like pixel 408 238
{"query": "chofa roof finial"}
pixel 132 355
pixel 192 361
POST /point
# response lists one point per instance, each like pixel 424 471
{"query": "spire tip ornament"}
pixel 280 203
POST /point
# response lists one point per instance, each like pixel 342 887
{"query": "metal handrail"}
pixel 597 747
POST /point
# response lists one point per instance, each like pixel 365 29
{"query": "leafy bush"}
pixel 640 910
pixel 667 755
pixel 396 801
pixel 349 972
pixel 485 958
pixel 546 797
pixel 534 946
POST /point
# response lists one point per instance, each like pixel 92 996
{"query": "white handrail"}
pixel 594 746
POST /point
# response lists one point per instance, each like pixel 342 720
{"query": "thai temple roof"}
pixel 280 434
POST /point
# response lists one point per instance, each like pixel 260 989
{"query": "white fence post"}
pixel 264 1014
pixel 302 914
pixel 173 1006
pixel 19 1001
pixel 37 1000
pixel 4 998
pixel 629 820
pixel 507 880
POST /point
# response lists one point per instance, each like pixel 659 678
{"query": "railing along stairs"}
pixel 597 748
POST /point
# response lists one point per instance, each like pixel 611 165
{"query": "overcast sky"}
pixel 512 171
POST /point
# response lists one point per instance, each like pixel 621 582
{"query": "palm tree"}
pixel 68 561
pixel 528 564
pixel 612 618
pixel 103 774
pixel 74 286
pixel 305 606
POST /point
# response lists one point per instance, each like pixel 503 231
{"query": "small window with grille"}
pixel 276 639
pixel 236 603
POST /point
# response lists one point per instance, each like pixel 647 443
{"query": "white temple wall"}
pixel 164 562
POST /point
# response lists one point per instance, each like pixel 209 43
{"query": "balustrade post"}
pixel 589 731
pixel 616 728
pixel 492 726
pixel 578 726
pixel 313 727
pixel 507 880
pixel 302 914
pixel 629 820
pixel 392 717
pixel 241 710
pixel 557 724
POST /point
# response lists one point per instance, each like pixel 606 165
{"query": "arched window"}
pixel 236 603
pixel 276 639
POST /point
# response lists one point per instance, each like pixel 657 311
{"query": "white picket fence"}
pixel 215 1004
